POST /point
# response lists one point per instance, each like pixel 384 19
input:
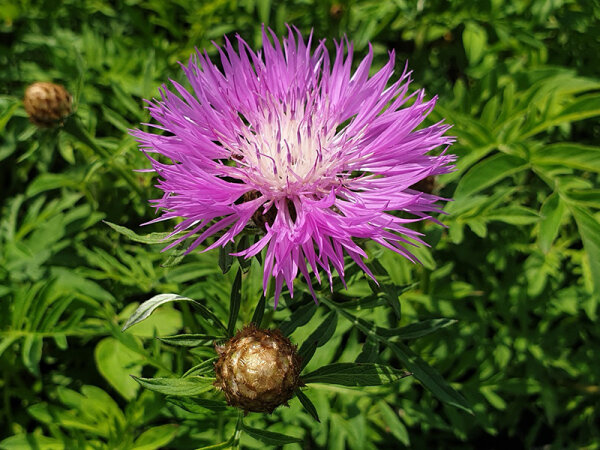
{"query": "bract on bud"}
pixel 47 104
pixel 257 370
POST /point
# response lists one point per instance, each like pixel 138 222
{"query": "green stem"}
pixel 238 432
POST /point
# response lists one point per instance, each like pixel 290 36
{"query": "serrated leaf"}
pixel 269 437
pixel 187 386
pixel 355 374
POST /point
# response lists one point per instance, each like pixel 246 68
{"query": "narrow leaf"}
pixel 177 386
pixel 148 307
pixel 418 329
pixel 269 437
pixel 430 377
pixel 299 317
pixel 152 238
pixel 552 212
pixel 488 172
pixel 589 228
pixel 259 312
pixel 355 374
pixel 189 340
pixel 577 156
pixel 225 258
pixel 393 422
pixel 308 405
pixel 235 302
pixel 197 405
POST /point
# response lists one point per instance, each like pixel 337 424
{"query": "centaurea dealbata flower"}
pixel 293 140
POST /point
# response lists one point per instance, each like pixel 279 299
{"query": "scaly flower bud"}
pixel 47 104
pixel 257 370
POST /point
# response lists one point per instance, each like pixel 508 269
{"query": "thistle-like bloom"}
pixel 290 139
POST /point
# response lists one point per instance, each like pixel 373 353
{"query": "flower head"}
pixel 291 139
pixel 47 104
pixel 257 370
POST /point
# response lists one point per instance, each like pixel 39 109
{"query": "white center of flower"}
pixel 285 152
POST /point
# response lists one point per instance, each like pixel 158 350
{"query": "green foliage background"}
pixel 518 267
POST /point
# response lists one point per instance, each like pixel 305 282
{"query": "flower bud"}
pixel 47 104
pixel 257 370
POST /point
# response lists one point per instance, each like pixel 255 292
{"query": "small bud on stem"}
pixel 47 104
pixel 257 370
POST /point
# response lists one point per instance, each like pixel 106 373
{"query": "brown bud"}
pixel 47 104
pixel 257 370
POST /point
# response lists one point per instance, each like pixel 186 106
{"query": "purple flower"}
pixel 290 139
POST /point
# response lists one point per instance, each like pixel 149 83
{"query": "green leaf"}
pixel 31 441
pixel 299 317
pixel 430 377
pixel 48 181
pixel 474 41
pixel 115 362
pixel 394 425
pixel 235 302
pixel 487 173
pixel 355 374
pixel 584 107
pixel 187 386
pixel 552 212
pixel 269 437
pixel 589 228
pixel 197 405
pixel 32 353
pixel 318 338
pixel 427 375
pixel 207 366
pixel 189 340
pixel 369 352
pixel 308 405
pixel 152 238
pixel 148 307
pixel 259 312
pixel 418 329
pixel 156 437
pixel 225 258
pixel 569 154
